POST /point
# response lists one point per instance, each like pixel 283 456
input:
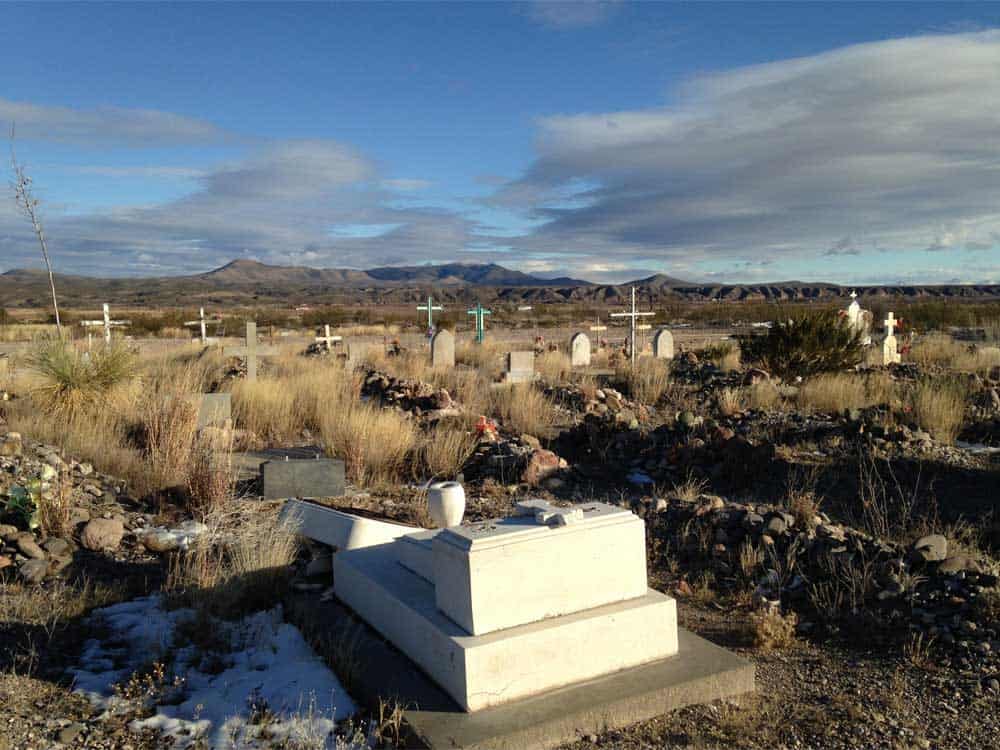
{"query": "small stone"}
pixel 33 571
pixel 8 532
pixel 29 547
pixel 102 534
pixel 931 548
pixel 56 546
pixel 5 561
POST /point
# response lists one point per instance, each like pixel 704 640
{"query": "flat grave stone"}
pixel 309 477
pixel 520 367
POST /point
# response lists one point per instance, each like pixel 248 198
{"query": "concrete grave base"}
pixel 700 673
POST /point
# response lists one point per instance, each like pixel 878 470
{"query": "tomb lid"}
pixel 523 528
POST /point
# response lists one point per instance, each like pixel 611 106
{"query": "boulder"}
pixel 102 534
pixel 56 546
pixel 931 548
pixel 33 571
pixel 29 547
pixel 541 464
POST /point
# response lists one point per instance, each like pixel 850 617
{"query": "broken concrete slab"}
pixel 338 529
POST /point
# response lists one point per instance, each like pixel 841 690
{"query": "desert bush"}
pixel 522 408
pixel 374 443
pixel 553 367
pixel 725 355
pixel 943 351
pixel 763 395
pixel 833 392
pixel 68 380
pixel 806 344
pixel 729 401
pixel 938 406
pixel 445 449
pixel 770 630
pixel 647 380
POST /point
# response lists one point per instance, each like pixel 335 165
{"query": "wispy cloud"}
pixel 572 14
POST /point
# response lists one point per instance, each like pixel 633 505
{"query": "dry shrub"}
pixel 763 395
pixel 772 631
pixel 647 380
pixel 411 365
pixel 212 477
pixel 446 448
pixel 265 407
pixel 938 406
pixel 373 442
pixel 725 355
pixel 486 357
pixel 240 565
pixel 690 489
pixel 522 408
pixel 729 401
pixel 938 349
pixel 832 393
pixel 69 380
pixel 588 386
pixel 55 507
pixel 468 387
pixel 170 422
pixel 553 367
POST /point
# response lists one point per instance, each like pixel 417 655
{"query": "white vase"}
pixel 446 503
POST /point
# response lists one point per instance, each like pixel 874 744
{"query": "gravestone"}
pixel 250 350
pixel 579 350
pixel 302 477
pixel 663 344
pixel 214 409
pixel 443 349
pixel 520 367
pixel 890 348
pixel 356 353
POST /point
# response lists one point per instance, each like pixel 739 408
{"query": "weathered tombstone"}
pixel 579 350
pixel 890 350
pixel 250 350
pixel 302 477
pixel 356 354
pixel 520 367
pixel 443 349
pixel 214 409
pixel 663 344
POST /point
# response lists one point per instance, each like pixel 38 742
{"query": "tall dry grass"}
pixel 730 401
pixel 486 357
pixel 374 443
pixel 553 367
pixel 941 350
pixel 445 449
pixel 763 395
pixel 937 405
pixel 522 408
pixel 647 380
pixel 832 393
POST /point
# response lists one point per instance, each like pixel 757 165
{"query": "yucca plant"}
pixel 805 345
pixel 72 380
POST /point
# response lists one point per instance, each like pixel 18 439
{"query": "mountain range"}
pixel 248 282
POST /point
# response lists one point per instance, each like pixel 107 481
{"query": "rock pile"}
pixel 413 396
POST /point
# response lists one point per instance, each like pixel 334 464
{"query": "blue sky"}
pixel 855 143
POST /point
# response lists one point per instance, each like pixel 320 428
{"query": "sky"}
pixel 714 142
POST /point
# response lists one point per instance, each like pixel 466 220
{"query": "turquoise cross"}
pixel 479 311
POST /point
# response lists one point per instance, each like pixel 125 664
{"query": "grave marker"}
pixel 479 311
pixel 579 350
pixel 326 339
pixel 106 322
pixel 302 477
pixel 214 409
pixel 430 307
pixel 633 316
pixel 663 344
pixel 890 351
pixel 250 350
pixel 200 323
pixel 520 367
pixel 443 349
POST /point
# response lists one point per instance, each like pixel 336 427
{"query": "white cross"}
pixel 524 308
pixel 598 327
pixel 546 513
pixel 854 295
pixel 250 350
pixel 107 322
pixel 326 338
pixel 201 323
pixel 430 307
pixel 633 315
pixel 890 324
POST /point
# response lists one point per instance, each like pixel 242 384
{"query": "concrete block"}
pixel 310 477
pixel 497 574
pixel 520 367
pixel 338 529
pixel 492 669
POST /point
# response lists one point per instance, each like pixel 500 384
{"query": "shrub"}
pixel 833 392
pixel 446 448
pixel 647 380
pixel 71 380
pixel 729 401
pixel 938 406
pixel 805 345
pixel 553 367
pixel 770 630
pixel 522 408
pixel 725 355
pixel 373 442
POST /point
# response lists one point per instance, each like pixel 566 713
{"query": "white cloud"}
pixel 568 14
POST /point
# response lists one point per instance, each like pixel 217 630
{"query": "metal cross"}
pixel 326 338
pixel 479 311
pixel 200 322
pixel 430 307
pixel 633 315
pixel 107 322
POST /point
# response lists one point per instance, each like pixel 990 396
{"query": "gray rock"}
pixel 8 532
pixel 68 734
pixel 958 563
pixel 29 547
pixel 102 534
pixel 56 546
pixel 33 571
pixel 931 548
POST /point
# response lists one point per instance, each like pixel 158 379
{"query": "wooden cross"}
pixel 201 323
pixel 890 324
pixel 430 307
pixel 107 322
pixel 327 339
pixel 250 350
pixel 479 311
pixel 633 316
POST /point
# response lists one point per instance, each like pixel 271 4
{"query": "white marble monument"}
pixel 504 609
pixel 579 350
pixel 663 344
pixel 890 347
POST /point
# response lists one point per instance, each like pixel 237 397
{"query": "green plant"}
pixel 72 380
pixel 806 344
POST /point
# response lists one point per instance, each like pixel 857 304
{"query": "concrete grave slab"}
pixel 340 530
pixel 700 673
pixel 310 477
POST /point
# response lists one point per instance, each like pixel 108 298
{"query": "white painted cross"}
pixel 200 323
pixel 548 514
pixel 633 316
pixel 327 339
pixel 107 322
pixel 854 295
pixel 250 350
pixel 430 307
pixel 890 324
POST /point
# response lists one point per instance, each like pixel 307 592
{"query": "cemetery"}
pixel 467 533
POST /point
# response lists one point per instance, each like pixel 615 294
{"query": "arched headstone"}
pixel 443 349
pixel 579 350
pixel 663 344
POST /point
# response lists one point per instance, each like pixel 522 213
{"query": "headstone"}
pixel 663 344
pixel 214 409
pixel 356 353
pixel 890 348
pixel 326 340
pixel 579 350
pixel 250 350
pixel 302 477
pixel 443 349
pixel 520 367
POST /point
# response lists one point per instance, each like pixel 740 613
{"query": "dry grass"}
pixel 522 408
pixel 240 565
pixel 690 489
pixel 763 395
pixel 375 443
pixel 730 401
pixel 943 351
pixel 771 631
pixel 486 357
pixel 648 380
pixel 211 477
pixel 725 355
pixel 938 406
pixel 832 393
pixel 553 367
pixel 22 332
pixel 445 449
